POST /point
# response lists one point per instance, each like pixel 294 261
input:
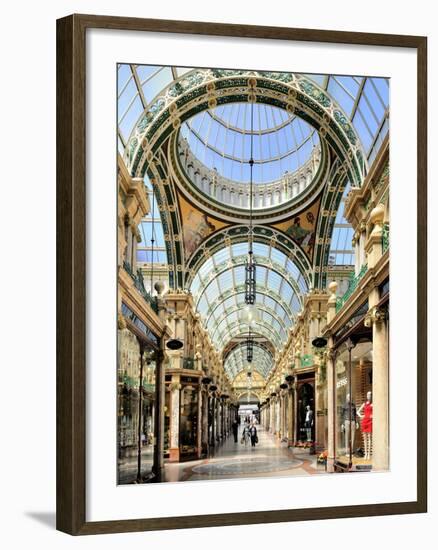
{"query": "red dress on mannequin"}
pixel 367 420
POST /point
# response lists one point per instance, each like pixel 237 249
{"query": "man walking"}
pixel 235 428
pixel 253 435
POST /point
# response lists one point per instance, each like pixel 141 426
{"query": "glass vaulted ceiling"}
pixel 236 361
pixel 219 290
pixel 219 293
pixel 221 139
pixel 365 100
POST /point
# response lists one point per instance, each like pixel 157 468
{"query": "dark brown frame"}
pixel 71 269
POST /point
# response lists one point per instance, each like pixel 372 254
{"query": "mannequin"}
pixel 308 422
pixel 365 412
pixel 349 424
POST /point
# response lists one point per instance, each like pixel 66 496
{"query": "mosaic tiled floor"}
pixel 233 460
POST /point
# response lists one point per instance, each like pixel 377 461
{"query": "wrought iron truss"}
pixel 232 329
pixel 299 262
pixel 219 291
pixel 160 98
pixel 200 90
pixel 236 361
pixel 271 315
pixel 201 284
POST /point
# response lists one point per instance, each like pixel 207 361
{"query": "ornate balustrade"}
pixel 352 285
pixel 231 192
pixel 139 285
pixel 385 237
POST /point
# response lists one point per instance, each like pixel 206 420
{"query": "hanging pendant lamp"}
pixel 250 312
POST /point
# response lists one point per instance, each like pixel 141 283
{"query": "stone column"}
pixel 284 431
pixel 331 387
pixel 355 245
pixel 291 419
pixel 204 422
pixel 158 467
pixel 362 256
pixel 377 316
pixel 218 419
pixel 199 423
pixel 213 421
pixel 277 417
pixel 285 406
pixel 174 419
pixel 331 304
pixel 222 419
pixel 272 416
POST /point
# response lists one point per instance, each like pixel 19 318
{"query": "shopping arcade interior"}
pixel 318 223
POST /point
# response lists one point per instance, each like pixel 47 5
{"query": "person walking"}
pixel 235 428
pixel 253 435
pixel 245 435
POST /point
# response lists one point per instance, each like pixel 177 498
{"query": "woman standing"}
pixel 253 435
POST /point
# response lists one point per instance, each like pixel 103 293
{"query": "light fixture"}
pixel 250 269
pixel 249 347
pixel 250 315
pixel 319 342
pixel 174 344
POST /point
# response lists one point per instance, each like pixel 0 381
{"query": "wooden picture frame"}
pixel 71 274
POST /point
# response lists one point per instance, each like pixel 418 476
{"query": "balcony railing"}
pixel 139 285
pixel 385 237
pixel 352 285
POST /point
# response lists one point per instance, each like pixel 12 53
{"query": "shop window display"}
pixel 189 420
pixel 135 418
pixel 166 443
pixel 306 406
pixel 354 405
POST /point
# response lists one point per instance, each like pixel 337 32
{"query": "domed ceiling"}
pixel 221 139
pixel 190 138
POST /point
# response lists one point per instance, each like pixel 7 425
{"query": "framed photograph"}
pixel 241 274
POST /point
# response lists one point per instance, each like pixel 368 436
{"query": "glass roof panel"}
pixel 123 75
pixel 153 85
pixel 345 100
pixel 341 249
pixel 318 78
pixel 151 249
pixel 277 300
pixel 222 134
pixel 236 361
pixel 221 139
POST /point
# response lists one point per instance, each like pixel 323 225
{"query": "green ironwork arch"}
pixel 239 261
pixel 240 307
pixel 262 358
pixel 239 233
pixel 256 345
pixel 261 326
pixel 240 289
pixel 202 89
pixel 227 314
pixel 210 281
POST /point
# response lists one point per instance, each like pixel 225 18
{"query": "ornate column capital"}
pixel 376 314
